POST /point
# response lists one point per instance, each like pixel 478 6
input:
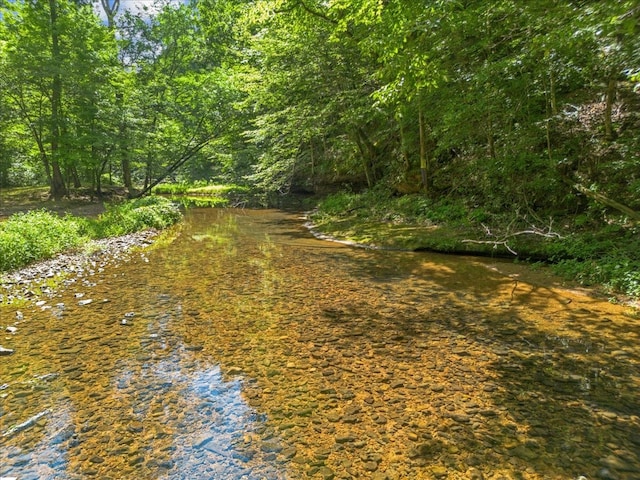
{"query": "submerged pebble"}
pixel 317 363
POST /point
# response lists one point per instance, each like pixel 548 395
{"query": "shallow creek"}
pixel 246 349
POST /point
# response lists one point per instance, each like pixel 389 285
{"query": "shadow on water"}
pixel 562 369
pixel 247 349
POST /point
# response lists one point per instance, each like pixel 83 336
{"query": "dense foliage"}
pixel 40 234
pixel 496 100
pixel 83 103
pixel 511 104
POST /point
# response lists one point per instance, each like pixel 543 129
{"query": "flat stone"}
pixel 488 413
pixel 334 417
pixel 371 466
pixel 202 440
pixel 461 418
pixel 380 419
pixel 90 338
pixel 5 351
pixel 439 472
pixel 460 352
pixel 271 447
pixel 136 461
pixel 22 393
pixel 193 348
pixel 618 464
pixel 69 351
pixel 326 473
pixel 524 453
pixel 344 438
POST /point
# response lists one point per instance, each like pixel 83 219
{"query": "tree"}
pixel 310 85
pixel 180 92
pixel 55 54
pixel 110 8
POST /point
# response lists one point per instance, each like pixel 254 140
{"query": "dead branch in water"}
pixel 504 239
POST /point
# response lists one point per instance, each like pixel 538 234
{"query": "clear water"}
pixel 246 349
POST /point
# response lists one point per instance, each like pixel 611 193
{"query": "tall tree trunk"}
pixel 73 176
pixel 110 9
pixel 609 132
pixel 609 202
pixel 491 143
pixel 148 177
pixel 368 154
pixel 124 159
pixel 423 151
pixel 553 102
pixel 312 158
pixel 58 188
pixel 123 141
pixel 406 164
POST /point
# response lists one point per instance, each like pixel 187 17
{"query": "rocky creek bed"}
pixel 41 278
pixel 246 351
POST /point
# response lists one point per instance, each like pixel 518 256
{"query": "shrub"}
pixel 38 234
pixel 140 214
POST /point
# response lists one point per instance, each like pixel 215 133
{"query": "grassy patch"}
pixel 136 215
pixel 27 237
pixel 198 189
pixel 40 234
pixel 201 194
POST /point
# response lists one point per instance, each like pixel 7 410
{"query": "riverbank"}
pixel 604 257
pixel 246 348
pixel 35 235
pixel 42 278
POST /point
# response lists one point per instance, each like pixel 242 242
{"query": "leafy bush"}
pixel 136 215
pixel 198 188
pixel 38 234
pixel 338 204
pixel 593 254
pixel 379 204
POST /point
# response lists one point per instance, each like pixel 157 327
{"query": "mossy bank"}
pixel 578 248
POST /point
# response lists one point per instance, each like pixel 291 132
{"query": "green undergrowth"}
pixel 203 194
pixel 198 188
pixel 41 234
pixel 597 253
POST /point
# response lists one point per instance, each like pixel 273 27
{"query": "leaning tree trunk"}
pixel 609 202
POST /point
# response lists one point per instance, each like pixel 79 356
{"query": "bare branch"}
pixel 504 241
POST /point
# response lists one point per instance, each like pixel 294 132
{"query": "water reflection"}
pixel 252 350
pixel 47 458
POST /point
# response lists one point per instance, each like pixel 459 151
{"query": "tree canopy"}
pixel 535 104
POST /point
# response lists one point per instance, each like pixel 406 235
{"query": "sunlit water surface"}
pixel 246 349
